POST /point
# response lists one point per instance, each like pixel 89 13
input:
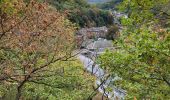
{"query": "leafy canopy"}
pixel 142 60
pixel 36 42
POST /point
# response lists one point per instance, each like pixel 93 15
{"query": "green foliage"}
pixel 83 14
pixel 109 5
pixel 144 11
pixel 112 32
pixel 70 82
pixel 7 6
pixel 69 4
pixel 36 43
pixel 91 17
pixel 143 64
pixel 143 54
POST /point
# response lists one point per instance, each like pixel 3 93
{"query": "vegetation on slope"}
pixel 84 14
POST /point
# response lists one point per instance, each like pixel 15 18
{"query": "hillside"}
pixel 98 1
pixel 83 14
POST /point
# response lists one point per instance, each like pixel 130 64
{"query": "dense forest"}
pixel 84 14
pixel 39 59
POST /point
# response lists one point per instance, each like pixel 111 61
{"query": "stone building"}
pixel 85 34
pixel 94 32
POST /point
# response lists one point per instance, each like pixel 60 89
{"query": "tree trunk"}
pixel 18 95
pixel 19 89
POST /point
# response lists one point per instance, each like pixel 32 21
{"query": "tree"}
pixel 142 60
pixel 69 82
pixel 112 32
pixel 33 36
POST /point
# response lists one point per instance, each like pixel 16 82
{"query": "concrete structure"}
pixel 99 46
pixel 94 32
pixel 85 36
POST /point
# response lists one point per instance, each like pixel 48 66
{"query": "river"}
pixel 115 93
pixel 95 69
